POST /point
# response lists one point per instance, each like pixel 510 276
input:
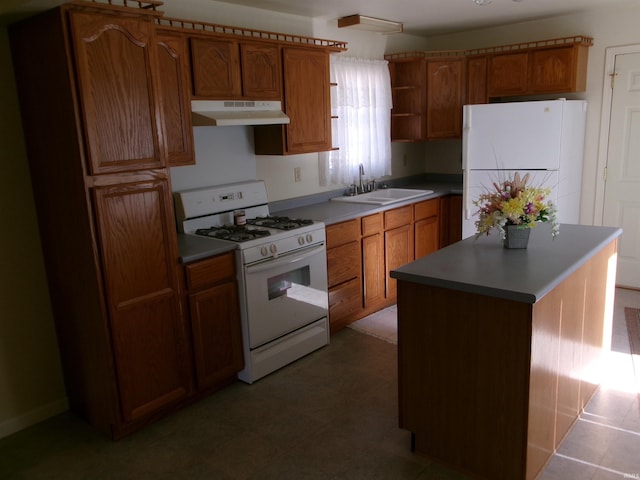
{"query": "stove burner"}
pixel 233 233
pixel 280 223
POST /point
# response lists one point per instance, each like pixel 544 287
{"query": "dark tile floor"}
pixel 331 415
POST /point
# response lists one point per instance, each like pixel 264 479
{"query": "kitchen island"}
pixel 498 350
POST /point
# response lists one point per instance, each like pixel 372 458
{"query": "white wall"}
pixel 609 27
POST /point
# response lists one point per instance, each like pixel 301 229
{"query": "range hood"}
pixel 232 112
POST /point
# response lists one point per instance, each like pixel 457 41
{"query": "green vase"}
pixel 516 237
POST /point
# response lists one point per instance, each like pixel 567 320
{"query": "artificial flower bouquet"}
pixel 513 202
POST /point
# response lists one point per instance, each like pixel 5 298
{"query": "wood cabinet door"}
pixel 508 74
pixel 445 89
pixel 115 62
pixel 173 84
pixel 261 71
pixel 553 70
pixel 307 101
pixel 217 335
pixel 215 68
pixel 477 80
pixel 373 269
pixel 137 244
pixel 427 236
pixel 398 251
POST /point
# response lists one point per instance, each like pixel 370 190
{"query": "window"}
pixel 361 101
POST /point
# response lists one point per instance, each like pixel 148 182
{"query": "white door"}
pixel 622 184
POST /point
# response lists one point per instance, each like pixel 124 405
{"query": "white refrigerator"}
pixel 543 138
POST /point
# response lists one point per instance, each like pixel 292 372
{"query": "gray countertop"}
pixel 483 266
pixel 192 248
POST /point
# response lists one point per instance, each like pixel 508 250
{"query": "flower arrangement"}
pixel 513 202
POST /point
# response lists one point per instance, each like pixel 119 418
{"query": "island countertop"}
pixel 483 266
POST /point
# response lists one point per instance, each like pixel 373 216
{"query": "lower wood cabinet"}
pixel 215 320
pixel 344 273
pixel 362 252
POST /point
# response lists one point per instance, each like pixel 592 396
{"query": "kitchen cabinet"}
pixel 445 97
pixel 215 320
pixel 307 102
pixel 477 79
pixel 373 277
pixel 426 227
pixel 343 272
pixel 398 244
pixel 173 85
pixel 230 69
pixel 427 96
pixel 103 199
pixel 552 66
pixel 408 90
pixel 450 220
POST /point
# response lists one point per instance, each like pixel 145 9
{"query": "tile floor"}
pixel 331 415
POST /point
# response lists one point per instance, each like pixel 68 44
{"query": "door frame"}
pixel 605 123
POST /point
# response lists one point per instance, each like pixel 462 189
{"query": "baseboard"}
pixel 37 415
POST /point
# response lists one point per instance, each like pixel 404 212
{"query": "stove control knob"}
pixel 309 238
pixel 264 252
pixel 273 248
pixel 301 240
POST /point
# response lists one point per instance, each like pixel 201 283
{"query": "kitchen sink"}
pixel 384 196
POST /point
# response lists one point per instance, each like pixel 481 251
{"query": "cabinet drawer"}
pixel 210 271
pixel 343 263
pixel 341 233
pixel 398 217
pixel 371 224
pixel 345 301
pixel 426 209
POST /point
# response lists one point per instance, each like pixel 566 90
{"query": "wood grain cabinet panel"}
pixel 215 65
pixel 426 227
pixel 148 334
pixel 445 93
pixel 477 79
pixel 398 251
pixel 215 320
pixel 558 70
pixel 173 82
pixel 261 71
pixel 115 63
pixel 508 74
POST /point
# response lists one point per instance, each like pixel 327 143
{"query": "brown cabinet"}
pixel 215 320
pixel 426 227
pixel 450 220
pixel 445 97
pixel 103 197
pixel 373 283
pixel 343 272
pixel 307 102
pixel 408 90
pixel 229 69
pixel 215 65
pixel 398 244
pixel 477 79
pixel 173 85
pixel 115 67
pixel 556 66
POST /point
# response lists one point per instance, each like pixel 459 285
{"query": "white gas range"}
pixel 281 270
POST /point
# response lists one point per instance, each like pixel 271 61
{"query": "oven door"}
pixel 285 293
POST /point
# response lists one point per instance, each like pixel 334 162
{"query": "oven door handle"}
pixel 284 260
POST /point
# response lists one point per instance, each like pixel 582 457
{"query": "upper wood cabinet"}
pixel 173 82
pixel 230 69
pixel 427 96
pixel 115 61
pixel 445 94
pixel 477 79
pixel 215 65
pixel 307 102
pixel 261 71
pixel 554 66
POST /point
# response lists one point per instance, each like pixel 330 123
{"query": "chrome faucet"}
pixel 361 175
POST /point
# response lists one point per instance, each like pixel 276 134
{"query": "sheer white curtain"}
pixel 362 102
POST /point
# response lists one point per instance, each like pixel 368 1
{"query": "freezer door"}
pixel 477 182
pixel 519 135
